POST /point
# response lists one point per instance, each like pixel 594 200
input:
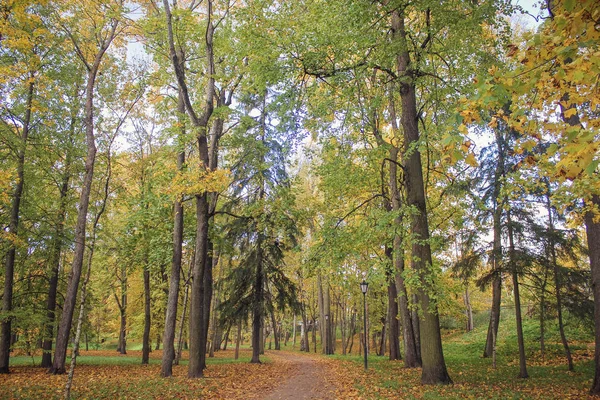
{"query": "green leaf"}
pixel 569 5
pixel 591 168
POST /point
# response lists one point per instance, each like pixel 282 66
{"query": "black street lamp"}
pixel 364 286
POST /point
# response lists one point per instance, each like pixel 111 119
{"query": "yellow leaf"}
pixel 471 160
pixel 570 112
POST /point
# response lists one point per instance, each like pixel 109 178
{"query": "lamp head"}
pixel 364 286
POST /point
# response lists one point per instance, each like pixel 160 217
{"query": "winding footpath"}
pixel 307 381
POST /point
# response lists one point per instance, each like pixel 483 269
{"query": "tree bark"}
pixel 522 362
pixel 496 257
pixel 238 339
pixel 226 339
pixel 592 227
pixel 275 329
pixel 383 340
pixel 543 315
pixel 412 356
pixel 54 261
pixel 180 340
pixel 207 292
pixel 468 309
pixel 216 330
pixel 146 336
pixel 394 333
pixel 257 312
pixel 321 304
pixel 75 352
pixel 122 347
pixel 328 322
pixel 168 356
pixel 412 351
pixel 434 367
pixel 294 333
pixel 196 331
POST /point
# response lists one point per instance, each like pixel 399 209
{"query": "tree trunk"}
pixel 412 356
pixel 226 339
pixel 182 324
pixel 257 312
pixel 557 279
pixel 9 271
pixel 314 335
pixel 543 315
pixel 561 327
pixel 146 336
pixel 294 333
pixel 328 320
pixel 238 339
pixel 434 367
pixel 211 261
pixel 592 227
pixel 321 304
pixel 343 326
pixel 122 347
pixel 352 332
pixel 217 329
pixel 468 309
pixel 168 356
pixel 392 310
pixel 383 341
pixel 196 330
pixel 264 335
pixel 522 363
pixel 75 352
pixel 394 333
pixel 54 261
pixel 496 256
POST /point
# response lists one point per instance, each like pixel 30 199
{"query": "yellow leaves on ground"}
pixel 224 379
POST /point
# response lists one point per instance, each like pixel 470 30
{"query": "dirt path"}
pixel 308 379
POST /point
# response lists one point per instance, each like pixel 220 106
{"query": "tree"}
pixel 23 45
pixel 434 367
pixel 264 228
pixel 200 297
pixel 108 19
pixel 554 79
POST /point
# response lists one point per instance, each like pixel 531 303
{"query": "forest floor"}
pixel 105 374
pixel 290 374
pixel 286 374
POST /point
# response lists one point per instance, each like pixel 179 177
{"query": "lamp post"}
pixel 364 286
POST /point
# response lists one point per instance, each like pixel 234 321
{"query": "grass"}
pixel 474 376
